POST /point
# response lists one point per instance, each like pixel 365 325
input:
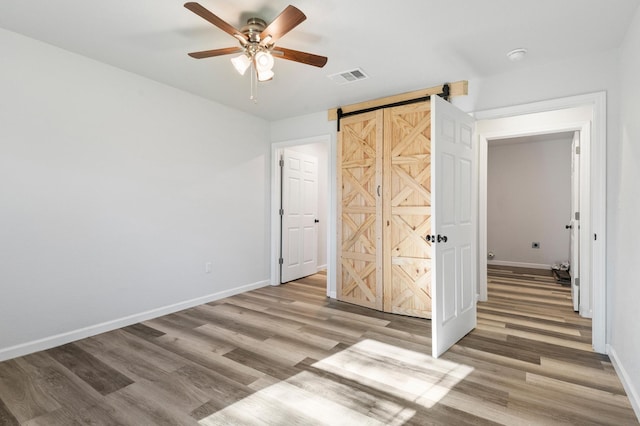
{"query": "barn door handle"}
pixel 378 190
pixel 442 238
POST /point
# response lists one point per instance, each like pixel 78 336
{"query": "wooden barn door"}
pixel 407 210
pixel 359 175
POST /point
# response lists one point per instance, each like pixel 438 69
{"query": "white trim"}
pixel 276 150
pixel 483 159
pixel 544 106
pixel 595 303
pixel 518 264
pixel 632 393
pixel 321 267
pixel 333 294
pixel 92 330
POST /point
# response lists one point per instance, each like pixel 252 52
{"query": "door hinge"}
pixel 577 282
pixel 281 162
pixel 280 261
pixel 577 216
pixel 577 150
pixel 281 212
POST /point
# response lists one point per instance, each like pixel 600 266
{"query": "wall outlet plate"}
pixel 535 245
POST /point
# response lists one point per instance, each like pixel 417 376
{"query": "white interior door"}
pixel 299 254
pixel 574 222
pixel 454 225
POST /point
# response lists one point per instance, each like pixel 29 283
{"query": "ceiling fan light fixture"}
pixel 241 63
pixel 264 61
pixel 265 75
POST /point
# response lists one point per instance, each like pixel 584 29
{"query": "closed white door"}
pixel 299 254
pixel 574 222
pixel 454 225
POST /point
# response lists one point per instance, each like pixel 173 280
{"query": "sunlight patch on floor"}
pixel 365 384
pixel 405 374
pixel 287 404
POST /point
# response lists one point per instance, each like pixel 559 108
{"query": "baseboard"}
pixel 632 392
pixel 72 336
pixel 518 264
pixel 321 267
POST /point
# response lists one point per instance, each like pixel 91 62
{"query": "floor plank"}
pixel 288 355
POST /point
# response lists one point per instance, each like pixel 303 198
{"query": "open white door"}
pixel 574 222
pixel 299 254
pixel 453 225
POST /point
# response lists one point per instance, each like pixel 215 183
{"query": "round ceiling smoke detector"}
pixel 517 54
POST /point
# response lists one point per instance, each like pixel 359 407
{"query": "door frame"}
pixel 594 162
pixel 277 148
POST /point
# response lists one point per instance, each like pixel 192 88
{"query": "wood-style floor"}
pixel 287 355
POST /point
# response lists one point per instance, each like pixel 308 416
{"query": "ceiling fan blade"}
pixel 216 52
pixel 290 18
pixel 199 10
pixel 297 56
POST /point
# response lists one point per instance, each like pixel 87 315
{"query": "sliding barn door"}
pixel 454 225
pixel 407 210
pixel 360 210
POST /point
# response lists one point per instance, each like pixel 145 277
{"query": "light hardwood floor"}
pixel 287 355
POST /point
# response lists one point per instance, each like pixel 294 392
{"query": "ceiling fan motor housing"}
pixel 253 29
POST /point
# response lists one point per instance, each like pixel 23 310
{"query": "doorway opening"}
pixel 587 115
pixel 533 185
pixel 285 243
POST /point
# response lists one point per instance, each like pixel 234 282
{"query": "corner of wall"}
pixel 632 393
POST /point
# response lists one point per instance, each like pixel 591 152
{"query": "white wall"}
pixel 321 152
pixel 529 199
pixel 624 228
pixel 114 193
pixel 573 76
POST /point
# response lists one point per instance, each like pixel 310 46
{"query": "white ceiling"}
pixel 403 45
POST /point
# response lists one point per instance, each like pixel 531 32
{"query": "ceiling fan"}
pixel 257 41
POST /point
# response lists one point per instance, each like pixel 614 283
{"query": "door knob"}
pixel 316 220
pixel 430 238
pixel 442 238
pixel 568 226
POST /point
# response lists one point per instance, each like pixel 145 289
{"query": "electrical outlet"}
pixel 207 267
pixel 535 245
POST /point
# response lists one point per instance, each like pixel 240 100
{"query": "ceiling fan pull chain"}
pixel 254 86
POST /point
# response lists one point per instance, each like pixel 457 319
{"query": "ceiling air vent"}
pixel 350 76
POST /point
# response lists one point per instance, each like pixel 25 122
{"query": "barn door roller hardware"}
pixel 447 90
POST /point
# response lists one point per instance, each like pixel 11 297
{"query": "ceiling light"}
pixel 517 54
pixel 264 61
pixel 241 63
pixel 265 75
